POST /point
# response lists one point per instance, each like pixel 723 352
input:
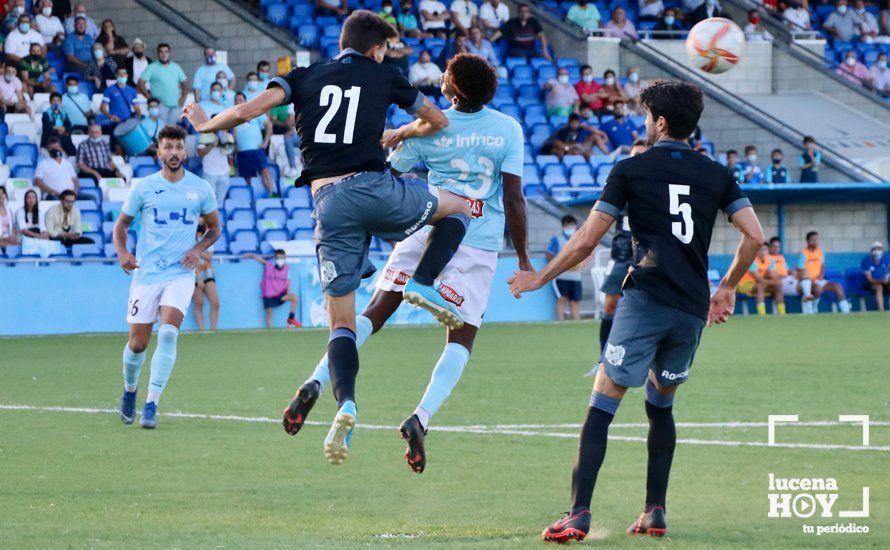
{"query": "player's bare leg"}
pixel 575 310
pixel 561 308
pixel 198 302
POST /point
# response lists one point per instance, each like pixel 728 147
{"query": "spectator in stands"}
pixel 283 119
pixel 216 162
pixel 586 15
pixel 560 96
pixel 251 140
pixel 63 221
pixel 12 92
pixel 55 48
pixel 790 284
pixel 205 283
pixel 56 125
pixel 632 89
pixel 810 161
pixel 754 30
pixel 275 286
pixel 611 91
pixel 434 18
pixel 77 106
pixel 386 14
pixel 152 123
pixel 101 69
pixel 884 16
pixel 36 74
pixel 136 62
pixel 457 44
pixel 493 15
pixel 706 10
pixel 751 172
pixel 880 76
pixel 520 33
pixel 55 174
pixel 114 44
pixel 480 46
pixel 331 7
pixel 228 95
pixel 48 24
pixel 587 116
pixel 166 81
pixel 588 90
pixel 620 130
pixel 464 15
pixel 119 101
pixel 8 235
pixel 251 87
pixel 668 27
pixel 94 157
pixel 732 162
pixel 16 8
pixel 264 70
pixel 78 46
pixel 761 280
pixel 408 21
pixel 568 284
pixel 868 24
pixel 397 54
pixel 80 11
pixel 18 42
pixel 426 75
pixel 776 172
pixel 841 24
pixel 811 273
pixel 875 266
pixel 796 17
pixel 650 10
pixel 205 75
pixel 619 26
pixel 854 71
pixel 213 105
pixel 28 221
pixel 576 139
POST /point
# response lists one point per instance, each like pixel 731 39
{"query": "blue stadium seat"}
pixel 533 190
pixel 108 231
pixel 276 214
pixel 264 204
pixel 302 234
pixel 277 14
pixel 529 91
pixel 602 172
pixel 222 243
pixel 308 35
pixel 566 62
pixel 87 182
pixel 546 72
pixel 544 160
pixel 91 220
pixel 302 218
pixel 26 150
pixel 231 204
pixel 243 214
pixel 14 162
pixel 537 109
pixel 297 201
pixel 533 119
pixel 511 110
pixel 331 30
pixel 241 193
pixel 556 169
pixel 513 62
pixel 523 71
pixel 145 170
pixel 530 174
pixel 245 240
pixel 304 11
pixel 232 226
pixel 93 194
pixel 13 251
pixel 26 172
pixel 82 250
pixel 581 174
pixel 301 194
pixel 572 160
pixel 558 121
pixel 275 235
pixel 537 140
pixel 554 179
pixel 13 139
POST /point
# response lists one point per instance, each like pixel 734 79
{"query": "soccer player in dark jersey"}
pixel 340 108
pixel 672 195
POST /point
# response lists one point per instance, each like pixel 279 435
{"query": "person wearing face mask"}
pixel 18 42
pixel 407 21
pixel 796 17
pixel 464 15
pixel 55 174
pixel 751 172
pixel 854 71
pixel 586 15
pixel 101 69
pixel 754 31
pixel 611 92
pixel 622 133
pixel 734 166
pixel 165 80
pixel 136 62
pixel 876 268
pixel 213 104
pixel 207 73
pixel 868 24
pixel 94 157
pixel 77 106
pixel 16 8
pixel 650 10
pixel 228 95
pixel 619 26
pixel 251 141
pixel 568 284
pixel 668 27
pixel 275 286
pixel 36 73
pixel 80 12
pixel 425 75
pixel 588 90
pixel 386 12
pixel 119 101
pixel 776 172
pixel 633 88
pixel 560 95
pixel 252 86
pixel 706 10
pixel 842 23
pixel 78 47
pixel 880 76
pixel 48 24
pixel 56 125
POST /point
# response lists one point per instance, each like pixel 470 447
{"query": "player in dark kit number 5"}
pixel 341 110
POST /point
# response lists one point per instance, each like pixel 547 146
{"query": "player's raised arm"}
pixel 430 119
pixel 235 115
pixel 723 301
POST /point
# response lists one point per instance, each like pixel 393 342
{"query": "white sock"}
pixel 423 416
pixel 153 397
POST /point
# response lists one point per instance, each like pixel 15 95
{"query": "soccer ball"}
pixel 715 45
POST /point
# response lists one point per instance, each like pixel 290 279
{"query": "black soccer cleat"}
pixel 652 523
pixel 570 527
pixel 412 431
pixel 295 414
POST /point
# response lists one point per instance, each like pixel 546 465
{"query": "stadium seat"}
pixel 277 14
pixel 301 218
pixel 233 226
pixel 544 160
pixel 26 150
pixel 240 192
pixel 546 72
pixel 557 169
pixel 145 170
pixel 259 190
pixel 245 240
pixel 276 235
pixel 264 204
pixel 108 231
pixel 308 35
pixel 278 215
pixel 26 172
pixel 554 179
pixel 571 160
pixel 91 220
pixel 534 190
pixel 581 174
pixel 243 214
pixel 82 250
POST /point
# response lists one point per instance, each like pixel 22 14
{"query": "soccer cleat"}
pixel 294 323
pixel 149 416
pixel 412 431
pixel 570 527
pixel 336 444
pixel 295 414
pixel 128 407
pixel 429 298
pixel 650 523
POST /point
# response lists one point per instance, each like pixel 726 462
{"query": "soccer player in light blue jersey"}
pixel 170 202
pixel 478 156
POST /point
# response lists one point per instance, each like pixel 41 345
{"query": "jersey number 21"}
pixel 331 97
pixel 682 229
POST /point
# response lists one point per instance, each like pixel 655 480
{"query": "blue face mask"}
pixel 215 95
pixel 24 27
pixel 669 20
pixel 252 85
pixel 153 111
pixel 210 59
pixel 264 76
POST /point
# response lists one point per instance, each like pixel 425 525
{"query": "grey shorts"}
pixel 349 212
pixel 615 278
pixel 650 335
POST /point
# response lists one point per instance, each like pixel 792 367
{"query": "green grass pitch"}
pixel 84 480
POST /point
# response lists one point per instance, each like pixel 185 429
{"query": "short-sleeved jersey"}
pixel 812 262
pixel 672 195
pixel 781 265
pixel 169 218
pixel 340 108
pixel 468 158
pixel 878 270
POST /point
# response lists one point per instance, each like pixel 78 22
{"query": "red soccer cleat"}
pixel 652 523
pixel 294 323
pixel 570 527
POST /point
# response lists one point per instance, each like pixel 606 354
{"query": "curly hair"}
pixel 473 79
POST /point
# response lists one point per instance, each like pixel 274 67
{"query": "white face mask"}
pixel 387 9
pixel 850 61
pixel 882 63
pixel 610 81
pixel 569 231
pixel 877 254
pixel 279 262
pixel 633 77
pixel 752 158
pixel 46 12
pixel 587 78
pixel 842 9
pixel 564 78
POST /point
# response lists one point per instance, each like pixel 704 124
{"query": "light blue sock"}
pixel 132 366
pixel 162 361
pixel 445 376
pixel 321 374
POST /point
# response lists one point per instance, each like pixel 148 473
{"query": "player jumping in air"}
pixel 479 156
pixel 170 202
pixel 340 108
pixel 672 195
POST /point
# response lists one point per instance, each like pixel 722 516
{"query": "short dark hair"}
pixel 808 139
pixel 154 100
pixel 55 94
pixel 731 152
pixel 363 30
pixel 607 72
pixel 680 103
pixel 521 5
pixel 776 150
pixel 262 63
pixel 574 116
pixel 568 218
pixel 252 73
pixel 241 94
pixel 750 148
pixel 53 140
pixel 66 193
pixel 473 79
pixel 774 239
pixel 70 78
pixel 171 132
pixel 280 251
pixel 583 67
pixel 812 234
pixel 164 45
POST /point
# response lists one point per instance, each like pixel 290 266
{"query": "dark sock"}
pixel 591 452
pixel 605 328
pixel 444 241
pixel 290 315
pixel 661 442
pixel 343 364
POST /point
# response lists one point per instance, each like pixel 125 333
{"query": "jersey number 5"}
pixel 331 97
pixel 682 230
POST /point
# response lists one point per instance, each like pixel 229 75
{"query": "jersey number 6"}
pixel 331 97
pixel 682 230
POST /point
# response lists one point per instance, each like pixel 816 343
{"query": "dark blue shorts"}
pixel 250 163
pixel 650 335
pixel 272 302
pixel 615 278
pixel 569 289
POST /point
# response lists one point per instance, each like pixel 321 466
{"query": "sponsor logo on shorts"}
pixel 396 276
pixel 451 295
pixel 328 271
pixel 615 354
pixel 674 376
pixel 422 221
pixel 476 206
